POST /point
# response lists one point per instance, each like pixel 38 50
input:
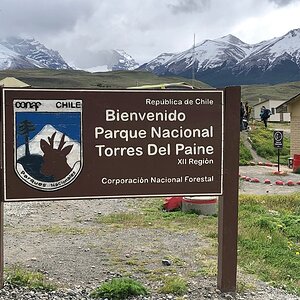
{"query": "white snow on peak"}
pixel 6 57
pixel 230 51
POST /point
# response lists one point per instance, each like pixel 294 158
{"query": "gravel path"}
pixel 264 172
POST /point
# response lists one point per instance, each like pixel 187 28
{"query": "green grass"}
pixel 57 230
pixel 119 288
pixel 245 155
pixel 269 236
pixel 282 91
pixel 268 244
pixel 152 216
pixel 262 142
pixel 46 78
pixel 174 285
pixel 18 276
pixel 269 239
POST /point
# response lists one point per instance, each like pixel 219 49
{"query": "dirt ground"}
pixel 63 240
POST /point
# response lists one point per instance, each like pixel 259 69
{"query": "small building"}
pixel 271 105
pixel 13 82
pixel 292 106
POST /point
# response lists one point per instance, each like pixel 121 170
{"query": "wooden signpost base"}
pixel 228 203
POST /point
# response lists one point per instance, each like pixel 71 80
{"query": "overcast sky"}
pixel 143 28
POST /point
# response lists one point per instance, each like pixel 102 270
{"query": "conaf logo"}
pixel 48 142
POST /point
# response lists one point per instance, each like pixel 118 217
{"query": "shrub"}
pixel 119 288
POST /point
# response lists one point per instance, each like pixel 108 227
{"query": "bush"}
pixel 119 288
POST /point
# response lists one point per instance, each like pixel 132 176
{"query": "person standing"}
pixel 242 113
pixel 265 114
pixel 247 111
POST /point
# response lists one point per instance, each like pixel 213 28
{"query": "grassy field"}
pixel 123 79
pixel 262 143
pixel 268 246
pixel 80 79
pixel 282 91
pixel 269 235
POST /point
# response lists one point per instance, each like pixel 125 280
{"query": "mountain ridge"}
pixel 19 53
pixel 228 60
pixel 28 53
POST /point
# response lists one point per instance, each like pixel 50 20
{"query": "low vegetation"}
pixel 269 239
pixel 282 91
pixel 262 143
pixel 268 247
pixel 174 285
pixel 269 235
pixel 119 288
pixel 46 78
pixel 33 280
pixel 245 155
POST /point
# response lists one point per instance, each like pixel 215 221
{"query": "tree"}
pixel 24 128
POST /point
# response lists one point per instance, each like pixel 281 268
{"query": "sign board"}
pixel 84 144
pixel 278 139
pixel 77 144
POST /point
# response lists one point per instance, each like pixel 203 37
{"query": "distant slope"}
pixel 282 91
pixel 80 79
pixel 122 79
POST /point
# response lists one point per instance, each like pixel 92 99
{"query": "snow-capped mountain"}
pixel 113 60
pixel 19 53
pixel 228 60
pixel 125 61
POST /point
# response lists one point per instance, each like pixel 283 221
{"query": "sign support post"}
pixel 1 244
pixel 228 203
pixel 278 143
pixel 278 153
pixel 1 200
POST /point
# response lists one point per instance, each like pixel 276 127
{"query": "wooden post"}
pixel 228 203
pixel 1 198
pixel 1 244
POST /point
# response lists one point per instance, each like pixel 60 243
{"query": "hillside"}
pixel 282 91
pixel 123 79
pixel 80 79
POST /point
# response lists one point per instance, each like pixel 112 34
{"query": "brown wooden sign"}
pixel 76 144
pixel 72 144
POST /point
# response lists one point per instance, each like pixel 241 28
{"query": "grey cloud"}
pixel 283 2
pixel 42 17
pixel 189 6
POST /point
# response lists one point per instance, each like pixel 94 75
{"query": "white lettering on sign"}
pixel 116 115
pixel 125 134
